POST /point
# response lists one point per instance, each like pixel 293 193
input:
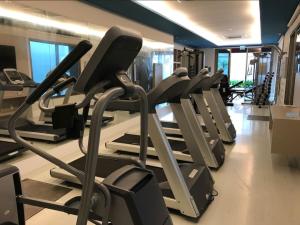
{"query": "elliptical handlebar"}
pixel 73 57
pixel 63 84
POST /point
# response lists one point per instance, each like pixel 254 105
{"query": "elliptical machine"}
pixel 129 195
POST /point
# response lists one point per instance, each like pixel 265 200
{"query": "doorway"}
pixel 246 69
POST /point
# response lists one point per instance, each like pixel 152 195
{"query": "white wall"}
pixel 179 46
pixel 209 58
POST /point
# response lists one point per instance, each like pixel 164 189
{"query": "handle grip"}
pixel 82 48
pixel 61 85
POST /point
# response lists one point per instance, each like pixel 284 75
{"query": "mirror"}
pixel 35 40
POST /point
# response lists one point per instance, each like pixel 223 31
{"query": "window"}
pixel 238 66
pixel 45 56
pixel 223 62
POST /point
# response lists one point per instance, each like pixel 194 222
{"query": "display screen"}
pixel 13 75
pixel 7 57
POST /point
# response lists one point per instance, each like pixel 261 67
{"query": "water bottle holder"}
pixel 67 117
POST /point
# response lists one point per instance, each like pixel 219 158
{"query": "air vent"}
pixel 234 37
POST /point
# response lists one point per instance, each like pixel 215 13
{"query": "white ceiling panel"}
pixel 221 22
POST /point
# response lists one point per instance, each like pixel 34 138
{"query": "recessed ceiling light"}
pixel 234 37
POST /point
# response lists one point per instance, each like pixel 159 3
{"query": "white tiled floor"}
pixel 255 187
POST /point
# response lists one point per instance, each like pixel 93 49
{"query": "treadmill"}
pixel 27 128
pixel 209 98
pixel 105 120
pixel 217 107
pixel 47 117
pixel 171 127
pixel 8 148
pixel 209 146
pixel 187 187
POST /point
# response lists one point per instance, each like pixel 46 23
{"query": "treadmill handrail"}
pixel 196 84
pixel 86 100
pixel 73 57
pixel 215 79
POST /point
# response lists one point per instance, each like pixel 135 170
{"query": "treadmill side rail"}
pixel 193 133
pixel 216 94
pixel 185 200
pixel 114 146
pixel 209 123
pixel 36 135
pixel 216 113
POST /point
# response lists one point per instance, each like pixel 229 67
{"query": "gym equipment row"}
pixel 14 81
pixel 180 182
pixel 130 193
pixel 126 189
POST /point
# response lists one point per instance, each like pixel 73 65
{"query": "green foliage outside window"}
pixel 245 84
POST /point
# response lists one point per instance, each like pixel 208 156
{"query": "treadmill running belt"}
pixel 169 124
pixel 135 140
pixel 105 119
pixel 106 166
pixel 42 129
pixel 174 125
pixel 8 147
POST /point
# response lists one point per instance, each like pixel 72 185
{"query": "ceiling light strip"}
pixel 181 18
pixel 45 21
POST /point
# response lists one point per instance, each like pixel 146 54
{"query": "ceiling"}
pixel 227 20
pixel 275 15
pixel 222 22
